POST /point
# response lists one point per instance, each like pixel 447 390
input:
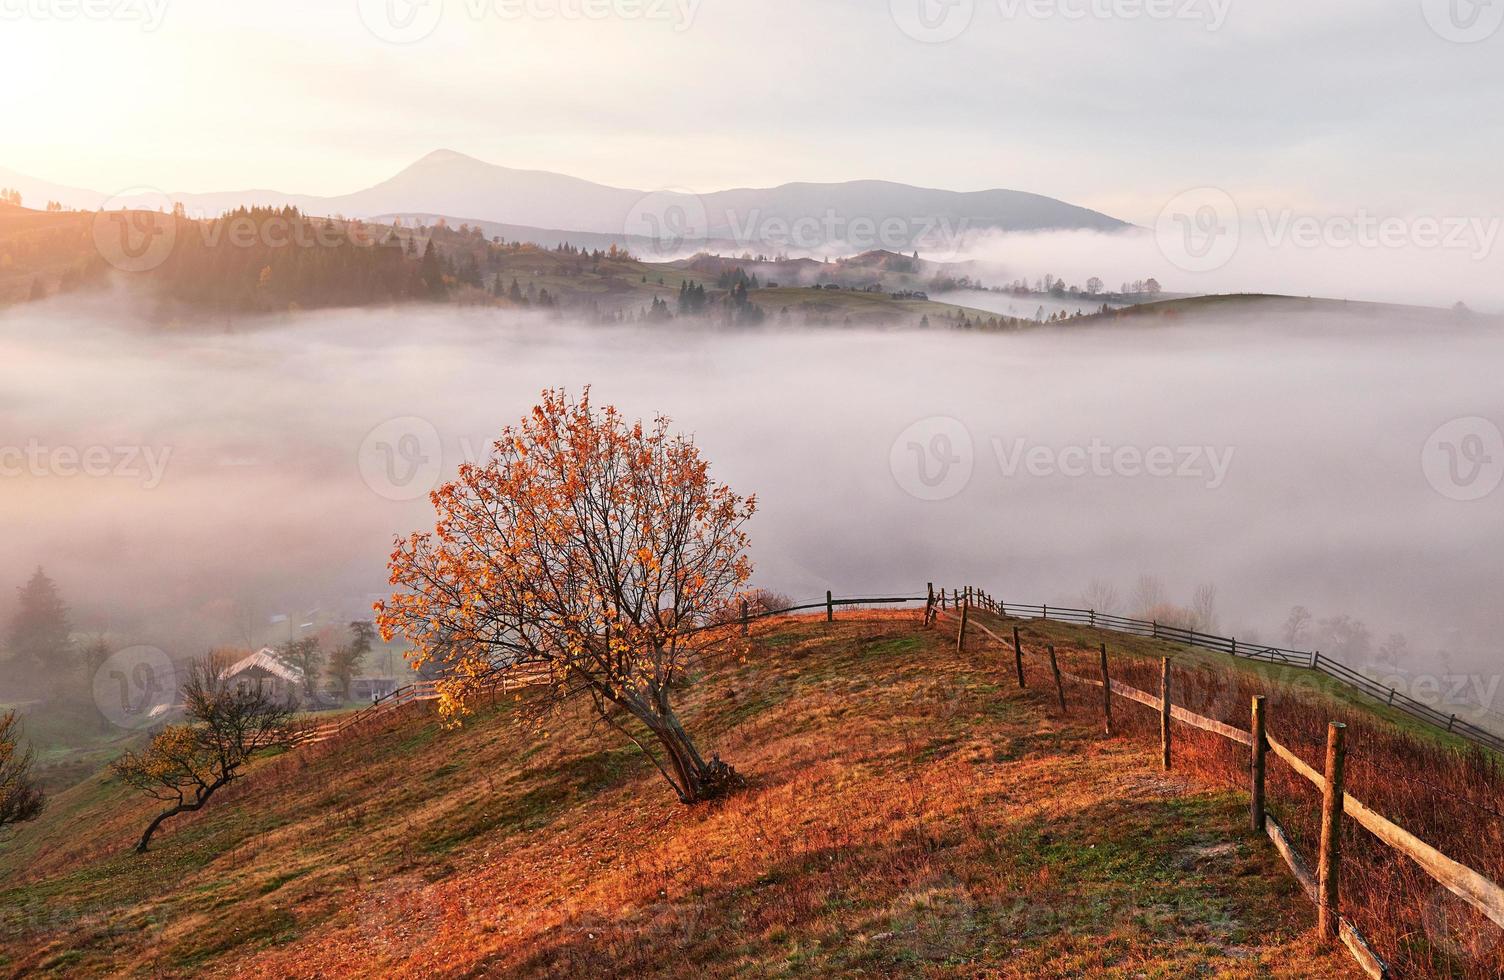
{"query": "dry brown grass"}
pixel 909 814
pixel 1445 792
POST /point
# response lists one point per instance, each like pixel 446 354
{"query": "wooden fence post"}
pixel 1258 765
pixel 961 631
pixel 746 618
pixel 1329 869
pixel 1093 614
pixel 929 603
pixel 830 607
pixel 1018 657
pixel 1164 712
pixel 1106 693
pixel 1055 669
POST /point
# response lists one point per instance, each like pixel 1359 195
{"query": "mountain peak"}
pixel 445 156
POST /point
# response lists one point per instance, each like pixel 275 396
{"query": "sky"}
pixel 1118 105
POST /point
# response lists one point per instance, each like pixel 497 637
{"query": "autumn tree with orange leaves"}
pixel 594 552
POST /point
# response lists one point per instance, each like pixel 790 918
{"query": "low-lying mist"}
pixel 184 486
pixel 1269 255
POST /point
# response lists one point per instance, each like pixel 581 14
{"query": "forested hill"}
pixel 254 261
pixel 259 260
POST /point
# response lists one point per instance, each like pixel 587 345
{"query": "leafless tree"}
pixel 1296 624
pixel 1204 608
pixel 20 797
pixel 1100 595
pixel 1148 594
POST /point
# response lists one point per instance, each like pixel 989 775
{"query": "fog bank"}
pixel 1271 254
pixel 184 487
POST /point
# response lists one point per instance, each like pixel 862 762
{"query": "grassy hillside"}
pixel 1261 305
pixel 909 811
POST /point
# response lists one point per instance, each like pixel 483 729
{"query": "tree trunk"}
pixel 699 780
pixel 165 815
pixel 696 780
pixel 157 822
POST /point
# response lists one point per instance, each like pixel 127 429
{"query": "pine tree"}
pixel 431 271
pixel 39 642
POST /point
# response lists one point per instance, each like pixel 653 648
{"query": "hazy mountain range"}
pixel 534 204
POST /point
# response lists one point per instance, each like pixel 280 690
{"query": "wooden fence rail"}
pixel 309 734
pixel 1484 895
pixel 1305 660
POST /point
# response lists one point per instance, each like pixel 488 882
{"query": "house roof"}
pixel 267 660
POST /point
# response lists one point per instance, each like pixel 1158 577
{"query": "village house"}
pixel 265 671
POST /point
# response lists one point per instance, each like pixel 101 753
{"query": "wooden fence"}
pixel 1313 660
pixel 309 733
pixel 1323 886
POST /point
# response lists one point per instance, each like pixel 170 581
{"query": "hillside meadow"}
pixel 910 811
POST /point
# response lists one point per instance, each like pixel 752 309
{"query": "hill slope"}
pixel 909 812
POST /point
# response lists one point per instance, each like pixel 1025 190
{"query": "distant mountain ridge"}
pixel 862 214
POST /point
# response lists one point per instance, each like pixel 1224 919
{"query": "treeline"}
pixel 42 255
pixel 264 260
pixel 271 259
